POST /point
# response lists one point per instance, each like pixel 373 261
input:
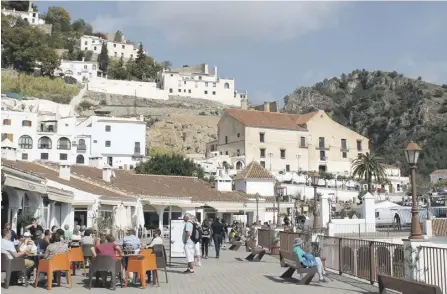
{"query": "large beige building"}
pixel 286 142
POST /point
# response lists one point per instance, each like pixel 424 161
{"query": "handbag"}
pixel 309 260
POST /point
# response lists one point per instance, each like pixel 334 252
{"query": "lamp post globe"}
pixel 412 155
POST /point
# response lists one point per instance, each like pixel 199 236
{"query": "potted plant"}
pixel 274 248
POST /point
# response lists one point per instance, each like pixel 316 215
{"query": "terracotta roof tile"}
pixel 254 171
pixel 262 119
pixel 304 118
pixel 440 172
pixel 53 175
pixel 127 183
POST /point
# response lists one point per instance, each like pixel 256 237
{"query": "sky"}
pixel 271 48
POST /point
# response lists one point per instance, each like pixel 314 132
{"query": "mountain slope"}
pixel 388 108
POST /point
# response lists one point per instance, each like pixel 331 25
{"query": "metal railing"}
pixel 365 230
pixel 433 264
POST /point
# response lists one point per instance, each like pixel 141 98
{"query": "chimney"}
pixel 266 106
pixel 64 171
pixel 205 68
pixel 107 173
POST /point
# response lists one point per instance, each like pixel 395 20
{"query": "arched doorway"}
pixel 239 165
pixel 150 217
pixel 80 159
pixel 5 208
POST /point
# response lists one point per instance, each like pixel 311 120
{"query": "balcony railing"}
pixel 303 145
pixel 81 148
pixel 64 146
pixel 44 146
pixel 47 129
pixel 322 147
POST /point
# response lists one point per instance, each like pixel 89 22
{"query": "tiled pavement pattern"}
pixel 229 274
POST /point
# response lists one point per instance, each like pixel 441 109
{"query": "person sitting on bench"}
pixel 302 258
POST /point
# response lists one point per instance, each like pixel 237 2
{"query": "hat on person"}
pixel 27 234
pixel 297 242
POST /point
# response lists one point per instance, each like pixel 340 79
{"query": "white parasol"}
pixel 138 216
pixel 120 216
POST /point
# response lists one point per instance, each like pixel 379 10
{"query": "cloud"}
pixel 215 23
pixel 431 71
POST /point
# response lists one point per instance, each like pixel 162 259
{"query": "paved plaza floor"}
pixel 229 274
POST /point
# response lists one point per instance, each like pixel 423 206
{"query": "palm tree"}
pixel 368 167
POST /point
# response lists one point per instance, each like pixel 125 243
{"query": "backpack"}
pixel 196 234
pixel 206 231
pixel 308 260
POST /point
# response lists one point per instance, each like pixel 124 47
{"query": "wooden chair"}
pixel 59 263
pixel 76 255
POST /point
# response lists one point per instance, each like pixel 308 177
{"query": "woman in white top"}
pixel 157 240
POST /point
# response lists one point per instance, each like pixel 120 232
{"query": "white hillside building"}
pixel 118 142
pixel 124 49
pixel 80 70
pixel 201 82
pixel 31 16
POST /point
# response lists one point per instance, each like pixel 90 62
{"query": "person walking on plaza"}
pixel 218 232
pixel 197 244
pixel 189 243
pixel 206 234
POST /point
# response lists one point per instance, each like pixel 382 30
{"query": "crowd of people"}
pixel 198 237
pixel 45 244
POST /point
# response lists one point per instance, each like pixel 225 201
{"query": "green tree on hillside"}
pixel 18 5
pixel 80 27
pixel 170 165
pixel 117 70
pixel 26 48
pixel 59 18
pixel 103 58
pixel 368 167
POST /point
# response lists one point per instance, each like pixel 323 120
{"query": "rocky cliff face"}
pixel 178 124
pixel 388 108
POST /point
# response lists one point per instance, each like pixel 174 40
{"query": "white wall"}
pixel 250 186
pixel 130 88
pixel 31 16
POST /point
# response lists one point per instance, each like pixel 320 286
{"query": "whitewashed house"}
pixel 82 71
pixel 255 179
pixel 124 49
pixel 118 142
pixel 201 82
pixel 437 175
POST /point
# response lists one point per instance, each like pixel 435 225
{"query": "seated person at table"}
pixel 108 248
pixel 13 233
pixel 57 245
pixel 9 249
pixel 157 240
pixel 131 241
pixel 102 237
pixel 87 239
pixel 301 254
pixel 76 238
pixel 26 244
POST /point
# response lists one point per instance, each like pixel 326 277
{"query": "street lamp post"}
pixel 257 208
pixel 412 155
pixel 315 177
pixel 270 156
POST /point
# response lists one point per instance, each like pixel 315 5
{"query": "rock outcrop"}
pixel 388 108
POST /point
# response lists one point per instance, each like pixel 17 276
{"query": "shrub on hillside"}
pixel 41 87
